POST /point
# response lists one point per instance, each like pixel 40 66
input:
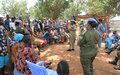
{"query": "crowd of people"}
pixel 24 37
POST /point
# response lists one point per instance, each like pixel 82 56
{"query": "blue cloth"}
pixel 105 27
pixel 116 36
pixel 51 72
pixel 39 69
pixel 17 73
pixel 101 29
pixel 41 63
pixel 18 37
pixel 3 61
pixel 109 42
pixel 36 69
pixel 18 20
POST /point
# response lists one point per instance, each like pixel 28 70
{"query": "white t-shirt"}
pixel 12 25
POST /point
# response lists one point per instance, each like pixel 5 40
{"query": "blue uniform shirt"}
pixel 7 23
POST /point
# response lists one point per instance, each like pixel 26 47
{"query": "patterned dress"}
pixel 3 47
pixel 24 53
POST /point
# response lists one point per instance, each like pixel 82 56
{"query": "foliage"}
pixel 57 8
pixel 14 8
pixel 50 8
pixel 103 6
pixel 73 10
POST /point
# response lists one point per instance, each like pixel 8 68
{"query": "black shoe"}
pixel 48 63
pixel 72 49
pixel 117 67
pixel 69 50
pixel 108 52
pixel 114 62
pixel 49 67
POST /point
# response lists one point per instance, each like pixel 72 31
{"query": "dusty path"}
pixel 58 52
pixel 101 65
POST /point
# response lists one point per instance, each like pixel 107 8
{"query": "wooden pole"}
pixel 9 51
pixel 107 18
pixel 9 55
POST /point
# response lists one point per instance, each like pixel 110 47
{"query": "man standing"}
pixel 72 34
pixel 7 22
pixel 101 31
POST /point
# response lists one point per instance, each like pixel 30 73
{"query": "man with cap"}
pixel 72 36
pixel 88 41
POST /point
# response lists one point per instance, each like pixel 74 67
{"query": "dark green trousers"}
pixel 87 64
pixel 118 55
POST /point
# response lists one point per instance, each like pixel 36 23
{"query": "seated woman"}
pixel 111 40
pixel 24 52
pixel 17 39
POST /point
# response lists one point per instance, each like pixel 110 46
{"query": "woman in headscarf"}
pixel 24 52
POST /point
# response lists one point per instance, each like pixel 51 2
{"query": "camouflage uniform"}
pixel 88 49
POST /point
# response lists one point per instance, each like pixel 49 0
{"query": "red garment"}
pixel 24 53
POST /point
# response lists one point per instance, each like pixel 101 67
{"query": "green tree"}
pixel 74 9
pixel 104 6
pixel 15 8
pixel 50 8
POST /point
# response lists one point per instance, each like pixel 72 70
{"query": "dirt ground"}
pixel 57 52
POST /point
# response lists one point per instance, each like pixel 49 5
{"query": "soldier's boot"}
pixel 114 62
pixel 109 51
pixel 69 50
pixel 117 67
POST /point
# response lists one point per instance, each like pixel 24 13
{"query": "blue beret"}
pixel 91 19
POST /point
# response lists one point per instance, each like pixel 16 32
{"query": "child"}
pixel 63 68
